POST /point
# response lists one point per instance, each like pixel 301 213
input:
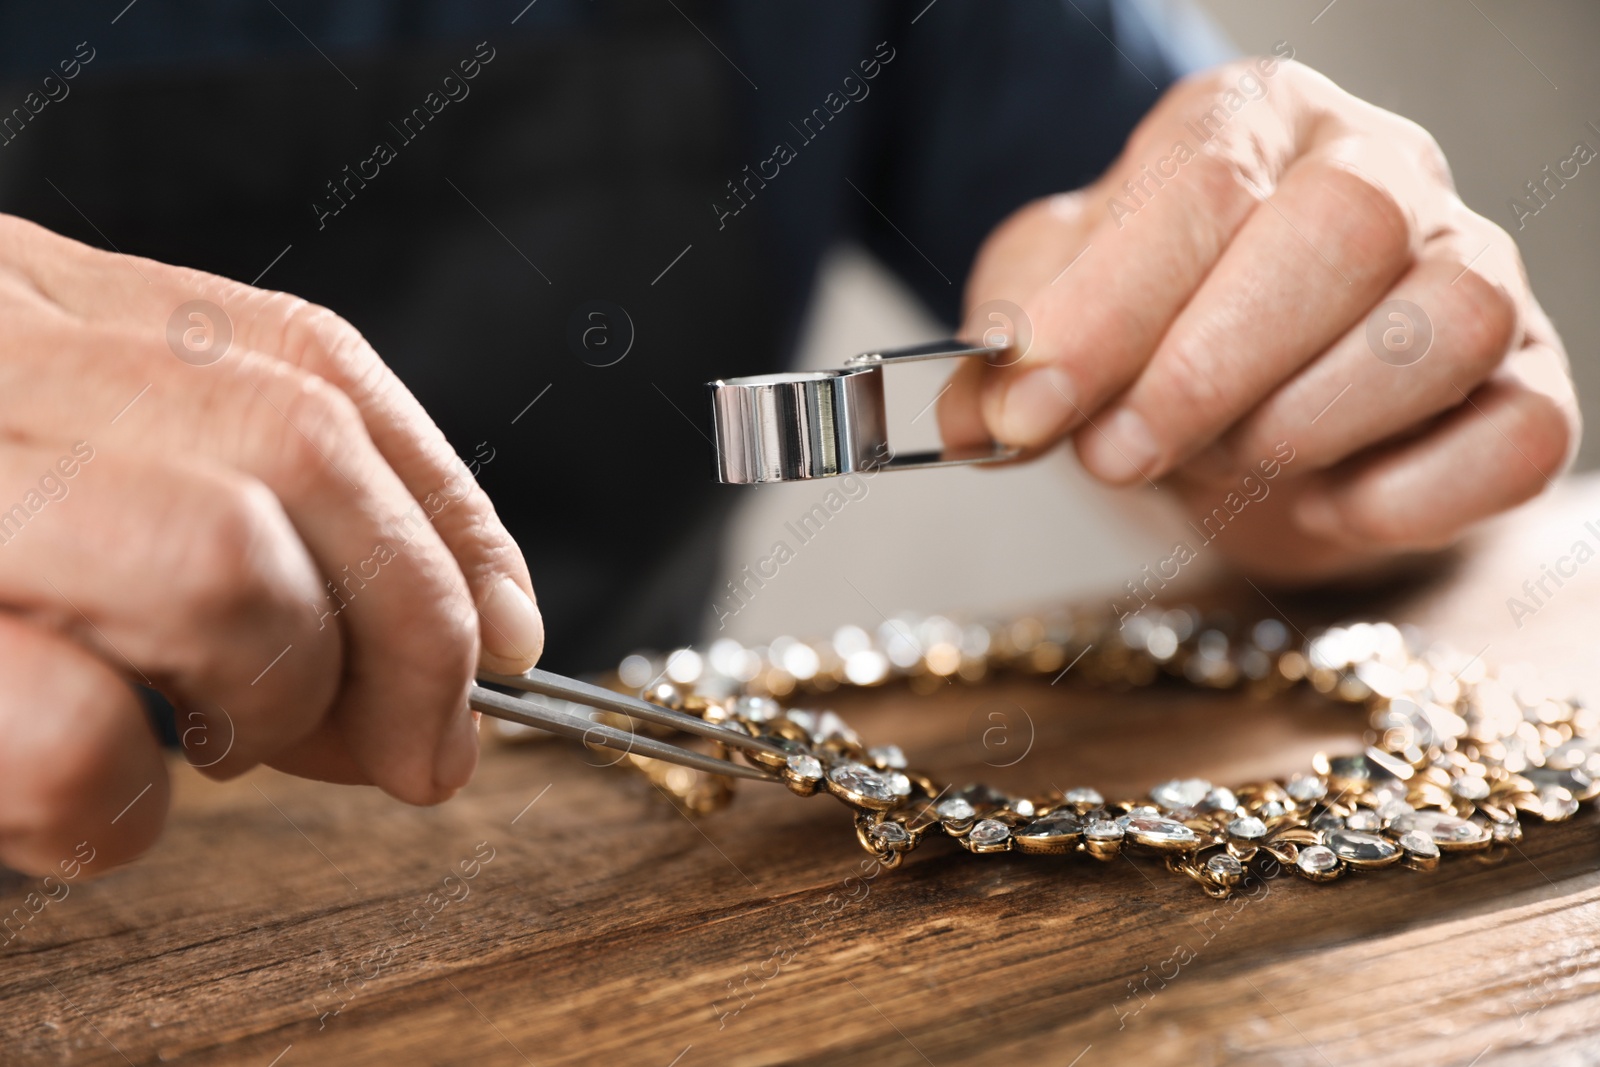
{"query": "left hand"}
pixel 1229 306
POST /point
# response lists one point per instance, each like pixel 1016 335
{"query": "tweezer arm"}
pixel 579 728
pixel 556 685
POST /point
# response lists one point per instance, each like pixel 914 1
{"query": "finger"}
pixel 102 288
pixel 82 780
pixel 215 610
pixel 324 344
pixel 1312 258
pixel 410 633
pixel 1442 330
pixel 1501 446
pixel 1096 326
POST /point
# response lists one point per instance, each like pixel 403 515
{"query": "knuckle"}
pixel 229 531
pixel 1193 384
pixel 1376 233
pixel 318 422
pixel 1485 319
pixel 1544 432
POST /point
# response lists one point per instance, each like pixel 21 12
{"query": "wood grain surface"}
pixel 282 922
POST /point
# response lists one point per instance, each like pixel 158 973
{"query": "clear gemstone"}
pixel 1468 787
pixel 888 756
pixel 1155 830
pixel 1354 845
pixel 1394 810
pixel 1219 799
pixel 829 725
pixel 757 709
pixel 1444 829
pixel 1418 843
pixel 1306 788
pixel 806 720
pixel 1271 809
pixel 1316 859
pixel 988 832
pixel 1506 831
pixel 1056 824
pixel 1363 819
pixel 1327 821
pixel 889 833
pixel 1180 793
pixel 869 783
pixel 1103 830
pixel 1575 780
pixel 1083 796
pixel 955 809
pixel 1224 867
pixel 1556 803
pixel 1247 828
pixel 1023 807
pixel 807 767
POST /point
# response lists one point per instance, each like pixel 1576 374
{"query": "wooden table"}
pixel 269 926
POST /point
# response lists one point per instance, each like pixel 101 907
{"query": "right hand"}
pixel 176 521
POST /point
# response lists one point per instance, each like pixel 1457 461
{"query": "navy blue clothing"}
pixel 689 162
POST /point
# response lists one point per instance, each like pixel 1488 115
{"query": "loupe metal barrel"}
pixel 790 427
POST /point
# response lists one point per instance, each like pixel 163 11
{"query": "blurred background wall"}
pixel 1505 87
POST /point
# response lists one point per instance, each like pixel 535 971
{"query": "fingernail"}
pixel 1123 449
pixel 1317 515
pixel 512 631
pixel 457 757
pixel 1037 406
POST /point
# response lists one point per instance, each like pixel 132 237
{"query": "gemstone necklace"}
pixel 1455 755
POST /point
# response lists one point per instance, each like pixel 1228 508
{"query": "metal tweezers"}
pixel 574 724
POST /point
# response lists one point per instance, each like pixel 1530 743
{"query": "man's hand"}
pixel 1222 298
pixel 267 528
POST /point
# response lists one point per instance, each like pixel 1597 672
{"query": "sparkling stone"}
pixel 1506 831
pixel 1247 828
pixel 829 726
pixel 1271 809
pixel 757 709
pixel 1354 768
pixel 1364 819
pixel 888 756
pixel 869 783
pixel 1316 859
pixel 807 767
pixel 889 833
pixel 1224 867
pixel 1419 844
pixel 1219 798
pixel 1306 788
pixel 1155 830
pixel 1468 787
pixel 1361 847
pixel 806 720
pixel 1083 796
pixel 1056 824
pixel 1144 809
pixel 1393 810
pixel 1574 779
pixel 988 832
pixel 982 796
pixel 1103 830
pixel 1023 807
pixel 1327 821
pixel 1180 793
pixel 954 809
pixel 1444 829
pixel 1556 803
